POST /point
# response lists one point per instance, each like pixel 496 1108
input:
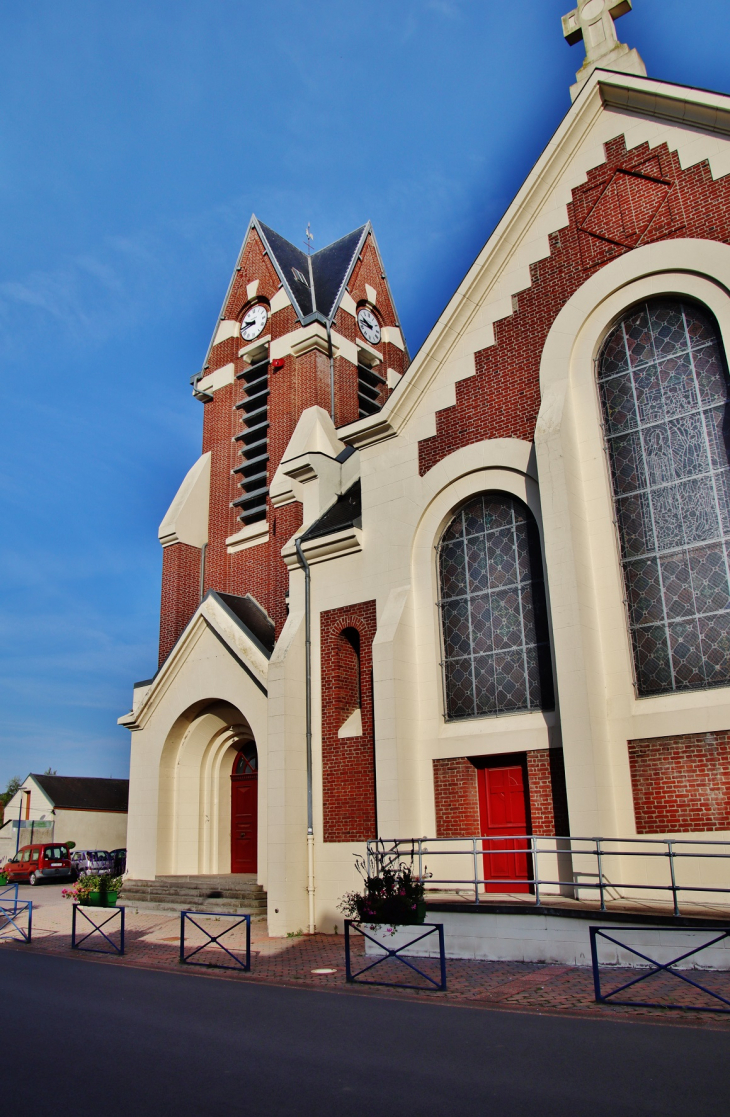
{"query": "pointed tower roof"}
pixel 314 283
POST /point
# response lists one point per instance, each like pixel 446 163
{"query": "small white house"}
pixel 87 810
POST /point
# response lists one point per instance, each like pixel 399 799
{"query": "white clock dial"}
pixel 369 325
pixel 253 322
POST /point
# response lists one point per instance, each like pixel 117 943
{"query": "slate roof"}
pixel 85 793
pixel 345 512
pixel 253 618
pixel 314 283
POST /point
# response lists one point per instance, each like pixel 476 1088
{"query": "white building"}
pixel 90 811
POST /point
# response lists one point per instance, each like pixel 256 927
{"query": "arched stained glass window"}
pixel 664 390
pixel 493 614
pixel 247 761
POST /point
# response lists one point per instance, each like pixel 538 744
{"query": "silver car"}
pixel 91 862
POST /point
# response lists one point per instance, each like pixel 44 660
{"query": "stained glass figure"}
pixel 493 612
pixel 664 391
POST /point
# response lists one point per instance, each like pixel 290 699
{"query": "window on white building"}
pixel 496 652
pixel 664 390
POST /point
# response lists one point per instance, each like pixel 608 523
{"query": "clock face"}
pixel 369 325
pixel 253 322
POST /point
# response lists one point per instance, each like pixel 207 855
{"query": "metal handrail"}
pixel 382 852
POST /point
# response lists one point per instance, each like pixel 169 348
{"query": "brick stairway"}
pixel 234 892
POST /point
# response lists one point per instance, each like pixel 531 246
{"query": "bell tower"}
pixel 297 330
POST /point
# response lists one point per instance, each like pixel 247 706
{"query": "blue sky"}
pixel 135 141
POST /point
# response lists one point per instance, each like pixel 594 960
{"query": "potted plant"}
pixel 95 891
pixel 395 896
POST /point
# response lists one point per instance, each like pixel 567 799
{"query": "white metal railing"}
pixel 611 868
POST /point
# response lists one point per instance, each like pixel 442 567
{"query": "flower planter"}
pixel 100 900
pixel 396 936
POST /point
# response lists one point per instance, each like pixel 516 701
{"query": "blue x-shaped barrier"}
pixel 97 929
pixel 720 933
pixel 9 895
pixel 13 912
pixel 215 939
pixel 421 931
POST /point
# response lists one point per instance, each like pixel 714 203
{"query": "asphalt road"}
pixel 86 1038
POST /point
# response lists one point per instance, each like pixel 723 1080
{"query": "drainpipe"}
pixel 308 702
pixel 332 371
pixel 203 552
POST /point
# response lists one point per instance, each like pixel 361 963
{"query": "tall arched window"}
pixel 493 614
pixel 664 390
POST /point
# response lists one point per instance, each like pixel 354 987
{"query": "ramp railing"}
pixel 607 869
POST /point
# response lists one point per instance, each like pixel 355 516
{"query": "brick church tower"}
pixel 295 331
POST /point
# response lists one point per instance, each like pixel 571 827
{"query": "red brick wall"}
pixel 348 763
pixel 548 799
pixel 457 798
pixel 180 593
pixel 681 784
pixel 503 398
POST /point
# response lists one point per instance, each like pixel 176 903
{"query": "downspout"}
pixel 308 703
pixel 332 370
pixel 203 553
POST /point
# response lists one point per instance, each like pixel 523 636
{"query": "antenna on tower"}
pixel 310 239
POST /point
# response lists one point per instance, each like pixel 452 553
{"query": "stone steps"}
pixel 235 893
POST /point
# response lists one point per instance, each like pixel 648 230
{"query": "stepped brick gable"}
pixel 636 197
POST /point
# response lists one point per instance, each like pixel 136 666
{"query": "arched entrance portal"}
pixel 244 810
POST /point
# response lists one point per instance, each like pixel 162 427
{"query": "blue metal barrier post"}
pixel 396 955
pixel 721 934
pixel 19 908
pixel 97 928
pixel 214 940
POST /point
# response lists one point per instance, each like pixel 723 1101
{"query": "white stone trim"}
pixel 219 378
pixel 249 536
pixel 392 336
pixel 348 304
pixel 186 520
pixel 279 301
pixel 353 726
pixel 345 542
pixel 229 327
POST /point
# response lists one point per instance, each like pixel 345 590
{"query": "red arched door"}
pixel 244 810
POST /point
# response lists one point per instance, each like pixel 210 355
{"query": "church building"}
pixel 480 590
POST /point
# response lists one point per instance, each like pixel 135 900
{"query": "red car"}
pixel 39 862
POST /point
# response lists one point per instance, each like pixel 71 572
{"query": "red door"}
pixel 503 811
pixel 245 810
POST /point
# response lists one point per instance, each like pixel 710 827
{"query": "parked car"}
pixel 91 862
pixel 36 863
pixel 120 861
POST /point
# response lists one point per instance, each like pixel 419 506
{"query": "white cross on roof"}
pixel 593 22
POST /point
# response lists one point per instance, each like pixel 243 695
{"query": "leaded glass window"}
pixel 493 614
pixel 664 391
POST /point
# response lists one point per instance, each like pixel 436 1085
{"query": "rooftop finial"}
pixel 593 22
pixel 310 238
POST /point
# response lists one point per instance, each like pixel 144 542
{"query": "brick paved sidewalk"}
pixel 152 941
